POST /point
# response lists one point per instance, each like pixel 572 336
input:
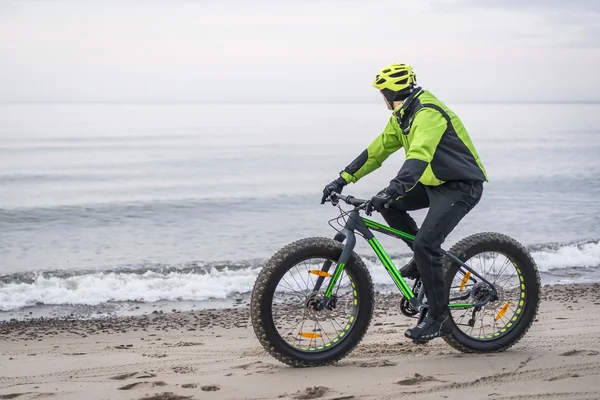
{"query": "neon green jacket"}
pixel 438 148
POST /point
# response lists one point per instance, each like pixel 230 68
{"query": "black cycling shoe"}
pixel 430 328
pixel 410 270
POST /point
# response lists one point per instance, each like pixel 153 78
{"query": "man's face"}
pixel 387 103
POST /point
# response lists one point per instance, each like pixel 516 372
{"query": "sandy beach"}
pixel 213 354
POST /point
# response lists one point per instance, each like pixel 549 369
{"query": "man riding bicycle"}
pixel 442 171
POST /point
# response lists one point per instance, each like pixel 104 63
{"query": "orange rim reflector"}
pixel 309 335
pixel 502 310
pixel 465 280
pixel 319 273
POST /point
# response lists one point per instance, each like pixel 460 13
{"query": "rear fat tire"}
pixel 495 242
pixel 266 283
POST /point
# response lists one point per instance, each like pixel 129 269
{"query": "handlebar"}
pixel 360 203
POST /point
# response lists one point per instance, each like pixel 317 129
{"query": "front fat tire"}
pixel 266 283
pixel 495 242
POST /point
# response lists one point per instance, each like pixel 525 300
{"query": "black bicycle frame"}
pixel 364 226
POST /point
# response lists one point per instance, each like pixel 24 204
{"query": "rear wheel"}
pixel 284 307
pixel 503 319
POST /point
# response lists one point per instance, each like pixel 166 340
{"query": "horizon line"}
pixel 166 102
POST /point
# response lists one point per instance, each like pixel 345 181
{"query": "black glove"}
pixel 379 202
pixel 335 186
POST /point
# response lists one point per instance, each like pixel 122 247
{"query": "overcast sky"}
pixel 251 50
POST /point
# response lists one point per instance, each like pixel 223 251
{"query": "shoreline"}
pixel 222 317
pixel 214 354
pixel 128 309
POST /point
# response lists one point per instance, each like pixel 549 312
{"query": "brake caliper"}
pixel 332 302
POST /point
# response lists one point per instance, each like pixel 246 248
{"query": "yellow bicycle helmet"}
pixel 396 81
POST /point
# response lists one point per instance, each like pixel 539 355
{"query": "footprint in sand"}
pixel 137 375
pixel 12 395
pixel 210 388
pixel 259 367
pixel 124 346
pixel 16 395
pixel 579 352
pixel 189 385
pixel 183 369
pixel 156 355
pixel 144 384
pixel 253 352
pixel 563 376
pixel 166 396
pixel 311 393
pixel 183 344
pixel 377 363
pixel 417 380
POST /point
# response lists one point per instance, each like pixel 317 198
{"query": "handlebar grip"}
pixel 334 197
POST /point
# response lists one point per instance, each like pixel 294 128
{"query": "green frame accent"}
pixel 455 305
pixel 334 278
pixel 391 268
pixel 380 227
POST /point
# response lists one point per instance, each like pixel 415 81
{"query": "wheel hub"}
pixel 480 292
pixel 314 305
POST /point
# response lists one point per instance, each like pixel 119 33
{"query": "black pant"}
pixel 448 204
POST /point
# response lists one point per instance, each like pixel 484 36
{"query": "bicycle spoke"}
pixel 339 283
pixel 481 319
pixel 301 328
pixel 323 330
pixel 311 339
pixel 507 262
pixel 286 316
pixel 292 330
pixel 294 278
pixel 302 297
pixel 507 280
pixel 481 265
pixel 334 320
pixel 493 267
pixel 493 313
pixel 494 270
pixel 310 280
pixel 301 275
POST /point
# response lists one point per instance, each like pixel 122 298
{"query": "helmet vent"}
pixel 398 74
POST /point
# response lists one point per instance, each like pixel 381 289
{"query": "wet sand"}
pixel 213 354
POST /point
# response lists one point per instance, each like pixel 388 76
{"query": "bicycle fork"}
pixel 339 237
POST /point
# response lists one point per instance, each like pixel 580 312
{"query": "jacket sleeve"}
pixel 373 157
pixel 427 129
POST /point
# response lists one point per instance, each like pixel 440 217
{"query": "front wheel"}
pixel 506 316
pixel 284 312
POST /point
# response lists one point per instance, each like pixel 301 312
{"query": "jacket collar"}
pixel 401 109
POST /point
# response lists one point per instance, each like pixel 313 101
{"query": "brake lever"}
pixel 333 199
